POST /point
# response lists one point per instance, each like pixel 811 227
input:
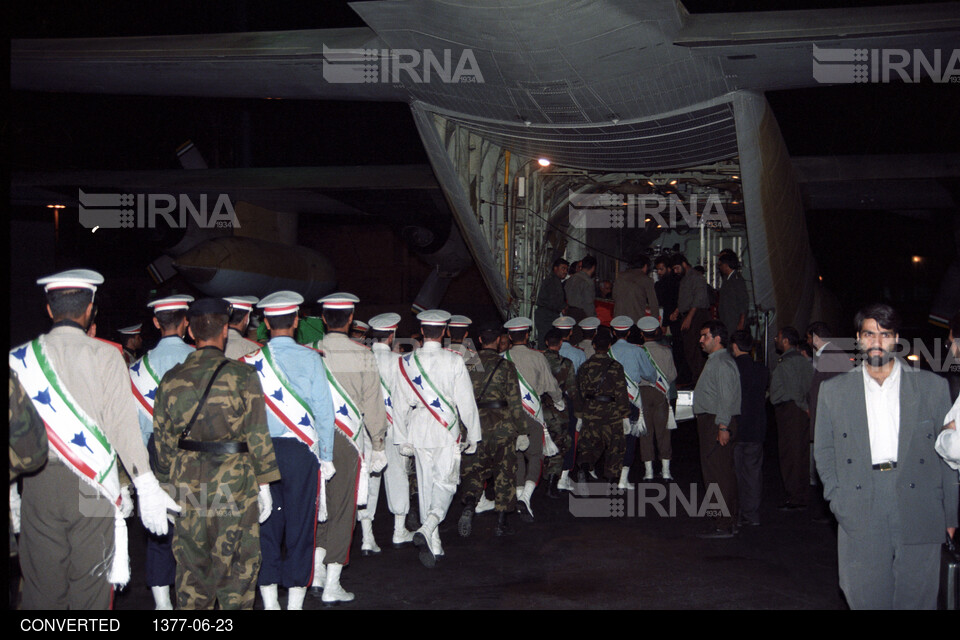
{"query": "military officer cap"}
pixel 564 323
pixel 280 303
pixel 72 279
pixel 460 321
pixel 339 301
pixel 518 324
pixel 621 323
pixel 434 317
pixel 385 321
pixel 209 306
pixel 648 324
pixel 360 325
pixel 590 323
pixel 244 303
pixel 132 330
pixel 171 303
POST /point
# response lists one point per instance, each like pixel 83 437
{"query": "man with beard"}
pixel 893 497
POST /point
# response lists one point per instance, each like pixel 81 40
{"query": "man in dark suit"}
pixel 829 360
pixel 892 495
pixel 752 423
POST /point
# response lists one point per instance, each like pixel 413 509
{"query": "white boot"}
pixel 624 483
pixel 523 496
pixel 435 545
pixel 564 483
pixel 319 569
pixel 332 591
pixel 401 537
pixel 423 539
pixel 666 470
pixel 484 504
pixel 269 594
pixel 369 545
pixel 648 470
pixel 161 596
pixel 295 596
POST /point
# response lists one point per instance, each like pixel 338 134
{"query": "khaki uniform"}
pixel 216 540
pixel 536 371
pixel 238 346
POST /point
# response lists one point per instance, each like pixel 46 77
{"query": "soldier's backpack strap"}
pixel 490 378
pixel 203 399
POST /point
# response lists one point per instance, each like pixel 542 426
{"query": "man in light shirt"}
pixel 893 497
pixel 948 442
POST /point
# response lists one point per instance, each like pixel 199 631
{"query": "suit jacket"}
pixel 927 490
pixel 831 362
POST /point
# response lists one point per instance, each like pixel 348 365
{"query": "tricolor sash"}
pixel 529 398
pixel 349 423
pixel 75 439
pixel 282 401
pixel 145 382
pixel 430 397
pixel 387 402
pixel 633 388
pixel 662 383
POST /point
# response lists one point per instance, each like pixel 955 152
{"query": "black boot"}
pixel 552 491
pixel 503 524
pixel 465 526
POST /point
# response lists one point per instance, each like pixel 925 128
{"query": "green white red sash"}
pixel 662 383
pixel 430 397
pixel 145 382
pixel 532 404
pixel 349 422
pixel 282 401
pixel 75 439
pixel 633 389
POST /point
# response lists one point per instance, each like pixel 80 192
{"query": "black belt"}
pixel 213 447
pixel 591 396
pixel 885 466
pixel 492 404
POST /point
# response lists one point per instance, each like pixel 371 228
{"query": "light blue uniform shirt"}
pixel 636 363
pixel 168 353
pixel 576 356
pixel 303 368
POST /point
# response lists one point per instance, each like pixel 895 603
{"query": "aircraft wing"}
pixel 311 64
pixel 768 50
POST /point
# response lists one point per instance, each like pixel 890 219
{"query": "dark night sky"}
pixel 49 132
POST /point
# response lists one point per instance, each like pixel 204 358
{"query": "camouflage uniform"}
pixel 28 436
pixel 497 453
pixel 558 422
pixel 216 540
pixel 603 390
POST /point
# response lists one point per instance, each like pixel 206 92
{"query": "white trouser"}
pixel 438 473
pixel 397 485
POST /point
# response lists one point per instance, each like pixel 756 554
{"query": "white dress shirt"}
pixel 883 414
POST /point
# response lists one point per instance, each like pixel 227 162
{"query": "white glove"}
pixel 523 442
pixel 327 470
pixel 126 501
pixel 154 504
pixel 468 447
pixel 406 449
pixel 265 502
pixel 15 507
pixel 378 461
pixel 579 424
pixel 559 405
pixel 627 426
pixel 549 446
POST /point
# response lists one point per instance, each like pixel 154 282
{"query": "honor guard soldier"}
pixel 358 444
pixel 497 392
pixel 602 386
pixel 637 367
pixel 73 541
pixel 654 396
pixel 566 324
pixel 535 380
pixel 383 329
pixel 132 342
pixel 457 332
pixel 436 395
pixel 300 420
pixel 588 327
pixel 358 331
pixel 562 428
pixel 238 344
pixel 170 317
pixel 213 446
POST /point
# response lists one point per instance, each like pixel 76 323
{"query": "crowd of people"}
pixel 265 454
